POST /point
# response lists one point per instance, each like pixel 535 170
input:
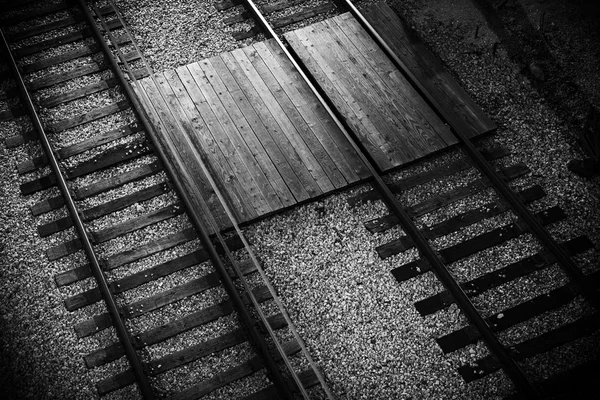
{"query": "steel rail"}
pixel 249 250
pixel 509 365
pixel 109 299
pixel 198 224
pixel 563 259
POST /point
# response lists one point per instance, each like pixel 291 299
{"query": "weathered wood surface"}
pixel 467 116
pixel 500 276
pixel 223 378
pixel 440 172
pixel 456 223
pixel 554 338
pixel 439 200
pixel 385 112
pixel 38 12
pixel 210 313
pixel 510 317
pixel 281 22
pixel 257 128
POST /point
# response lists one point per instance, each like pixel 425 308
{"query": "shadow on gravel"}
pixel 528 46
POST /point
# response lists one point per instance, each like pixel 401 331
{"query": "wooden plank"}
pixel 31 165
pixel 105 208
pixel 231 375
pixel 305 13
pixel 195 352
pixel 34 13
pixel 295 190
pixel 419 117
pixel 61 58
pixel 428 70
pixel 148 304
pixel 271 183
pixel 174 142
pixel 188 102
pixel 224 131
pixel 148 249
pixel 357 82
pixel 36 185
pixel 52 42
pixel 510 317
pixel 433 203
pixel 111 157
pixel 173 328
pixel 274 131
pixel 397 82
pixel 199 136
pixel 64 249
pixel 90 116
pixel 103 161
pixel 307 378
pixel 354 115
pixel 17 140
pixel 238 132
pixel 12 113
pixel 98 140
pixel 125 201
pixel 115 382
pixel 442 171
pixel 457 222
pixel 134 224
pixel 411 270
pixel 151 303
pixel 73 275
pixel 545 342
pixel 127 256
pixel 116 181
pixel 53 101
pixel 265 9
pixel 54 79
pixel 284 121
pixel 284 21
pixel 60 40
pixel 477 286
pixel 52 203
pixel 352 166
pixel 43 28
pixel 86 50
pixel 497 236
pixel 129 282
pixel 314 135
pixel 226 4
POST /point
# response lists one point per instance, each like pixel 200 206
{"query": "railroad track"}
pixel 240 15
pixel 439 259
pixel 73 64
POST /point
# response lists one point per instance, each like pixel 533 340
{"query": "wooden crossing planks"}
pixel 386 113
pixel 428 70
pixel 257 128
pixel 250 119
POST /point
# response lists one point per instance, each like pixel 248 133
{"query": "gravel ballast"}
pixel 359 324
